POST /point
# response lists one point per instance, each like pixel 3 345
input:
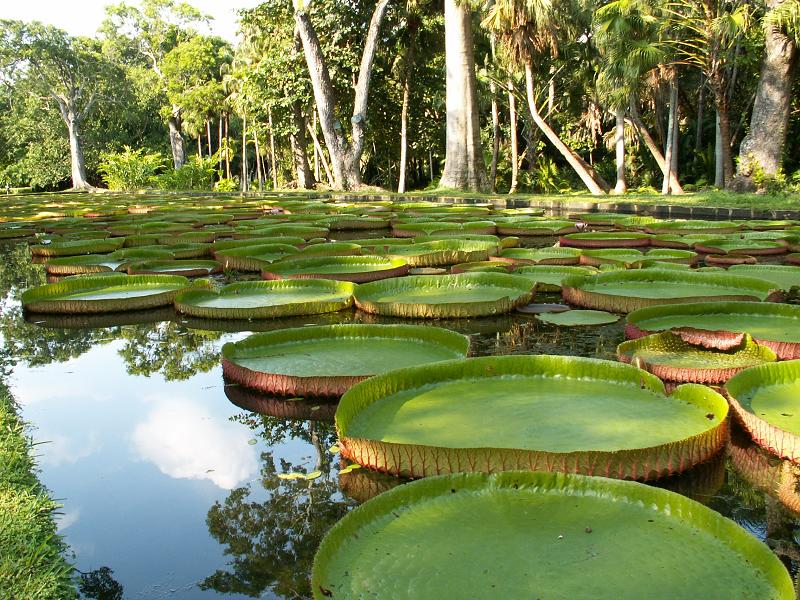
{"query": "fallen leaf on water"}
pixel 334 449
pixel 314 474
pixel 349 468
pixel 252 441
pixel 291 476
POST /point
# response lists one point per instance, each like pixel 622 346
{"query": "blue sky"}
pixel 84 17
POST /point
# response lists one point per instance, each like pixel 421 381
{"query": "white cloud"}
pixel 60 449
pixel 67 519
pixel 183 441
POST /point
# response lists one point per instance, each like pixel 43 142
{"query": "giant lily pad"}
pixel 77 247
pixel 694 227
pixel 543 256
pixel 626 291
pixel 766 400
pixel 187 268
pixel 742 246
pixel 548 278
pixel 344 268
pixel 552 413
pixel 599 239
pixel 430 227
pixel 107 292
pixel 445 296
pixel 722 325
pixel 438 253
pixel 329 360
pixel 542 535
pixel 573 318
pixel 267 299
pixel 670 357
pixel 253 258
pixel 784 277
pixel 526 226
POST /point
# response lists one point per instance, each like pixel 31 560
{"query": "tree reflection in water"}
pixel 271 543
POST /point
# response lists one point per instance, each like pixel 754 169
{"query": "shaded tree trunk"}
pixel 670 152
pixel 208 132
pixel 401 185
pixel 619 146
pixel 77 161
pixel 512 121
pixel 723 114
pixel 322 158
pixel 176 139
pixel 464 168
pixel 245 174
pixel 273 163
pixel 259 161
pixel 345 156
pixel 763 144
pixel 495 136
pixel 591 180
pixel 297 139
pixel 652 146
pixel 719 165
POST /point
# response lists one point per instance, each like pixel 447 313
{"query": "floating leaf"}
pixel 290 476
pixel 334 449
pixel 313 475
pixel 252 441
pixel 349 468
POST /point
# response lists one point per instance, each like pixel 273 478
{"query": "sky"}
pixel 83 17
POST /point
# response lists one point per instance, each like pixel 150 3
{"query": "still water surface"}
pixel 168 476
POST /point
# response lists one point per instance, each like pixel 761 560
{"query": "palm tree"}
pixel 527 31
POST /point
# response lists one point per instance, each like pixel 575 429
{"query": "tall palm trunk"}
pixel 297 139
pixel 670 152
pixel 644 134
pixel 464 167
pixel 591 180
pixel 619 145
pixel 273 163
pixel 401 185
pixel 512 121
pixel 495 136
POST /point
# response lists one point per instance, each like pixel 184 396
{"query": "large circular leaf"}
pixel 541 535
pixel 104 293
pixel 267 299
pixel 445 296
pixel 722 325
pixel 328 360
pixel 670 357
pixel 343 268
pixel 626 291
pixel 765 400
pixel 573 318
pixel 550 413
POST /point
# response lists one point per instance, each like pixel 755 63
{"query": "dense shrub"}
pixel 130 169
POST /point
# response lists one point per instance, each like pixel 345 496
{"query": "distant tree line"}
pixel 505 96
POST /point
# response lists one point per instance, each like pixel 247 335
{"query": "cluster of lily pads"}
pixel 522 457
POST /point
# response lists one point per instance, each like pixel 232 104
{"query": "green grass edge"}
pixel 33 564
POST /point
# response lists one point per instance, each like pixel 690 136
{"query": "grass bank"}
pixel 32 563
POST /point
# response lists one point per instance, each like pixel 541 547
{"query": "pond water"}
pixel 168 475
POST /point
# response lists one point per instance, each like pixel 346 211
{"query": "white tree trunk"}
pixel 670 154
pixel 401 185
pixel 176 139
pixel 512 122
pixel 273 163
pixel 464 166
pixel 77 161
pixel 591 180
pixel 719 161
pixel 619 146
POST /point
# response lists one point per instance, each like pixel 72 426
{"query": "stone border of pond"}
pixel 33 564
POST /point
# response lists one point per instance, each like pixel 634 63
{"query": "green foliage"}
pixel 130 169
pixel 197 174
pixel 227 185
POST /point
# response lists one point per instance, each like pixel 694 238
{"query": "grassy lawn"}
pixel 32 564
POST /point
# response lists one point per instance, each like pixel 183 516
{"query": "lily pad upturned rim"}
pixel 711 374
pixel 186 268
pixel 391 504
pixel 636 327
pixel 785 444
pixel 325 385
pixel 752 289
pixel 414 460
pixel 47 298
pixel 387 267
pixel 577 318
pixel 342 291
pixel 605 240
pixel 455 309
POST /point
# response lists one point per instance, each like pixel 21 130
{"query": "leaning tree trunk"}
pixel 763 144
pixel 401 185
pixel 648 140
pixel 297 139
pixel 670 152
pixel 345 156
pixel 512 133
pixel 619 145
pixel 464 167
pixel 591 180
pixel 495 136
pixel 176 138
pixel 78 163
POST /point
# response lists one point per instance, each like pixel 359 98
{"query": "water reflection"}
pixel 184 442
pixel 280 408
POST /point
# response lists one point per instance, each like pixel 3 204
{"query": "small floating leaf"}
pixel 334 449
pixel 291 475
pixel 349 468
pixel 313 475
pixel 252 441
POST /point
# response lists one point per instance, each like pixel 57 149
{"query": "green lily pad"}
pixel 106 292
pixel 543 256
pixel 548 278
pixel 572 318
pixel 784 277
pixel 187 268
pixel 669 356
pixel 77 247
pixel 253 258
pixel 722 324
pixel 693 227
pixel 542 535
pixel 600 239
pixel 626 291
pixel 742 246
pixel 267 299
pixel 445 296
pixel 527 226
pixel 343 268
pixel 438 253
pixel 552 413
pixel 328 360
pixel 766 401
